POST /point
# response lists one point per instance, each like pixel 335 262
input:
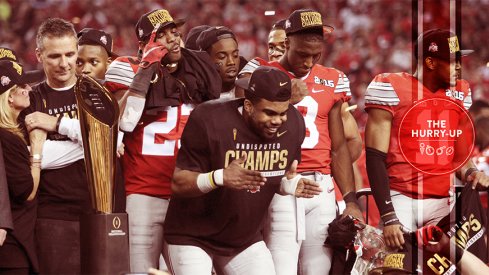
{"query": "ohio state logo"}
pixel 103 39
pixel 5 80
pixel 433 47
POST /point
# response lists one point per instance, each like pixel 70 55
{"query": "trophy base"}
pixel 104 243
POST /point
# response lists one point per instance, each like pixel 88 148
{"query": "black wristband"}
pixel 379 179
pixel 390 219
pixel 58 122
pixel 350 197
pixel 142 80
pixel 468 172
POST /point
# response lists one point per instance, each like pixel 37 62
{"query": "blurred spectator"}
pixel 377 30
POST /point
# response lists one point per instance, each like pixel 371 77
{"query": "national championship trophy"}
pixel 104 239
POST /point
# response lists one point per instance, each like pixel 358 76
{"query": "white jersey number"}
pixel 310 107
pixel 167 147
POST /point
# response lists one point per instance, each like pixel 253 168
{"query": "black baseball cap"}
pixel 306 20
pixel 148 21
pixel 211 35
pixel 11 55
pixel 12 73
pixel 193 34
pixel 268 83
pixel 8 54
pixel 279 25
pixel 439 43
pixel 89 36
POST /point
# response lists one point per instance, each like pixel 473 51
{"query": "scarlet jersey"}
pixel 396 93
pixel 151 149
pixel 326 87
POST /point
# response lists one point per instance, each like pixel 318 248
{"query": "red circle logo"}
pixel 436 136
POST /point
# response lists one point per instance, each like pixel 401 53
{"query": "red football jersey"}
pixel 396 93
pixel 151 149
pixel 326 87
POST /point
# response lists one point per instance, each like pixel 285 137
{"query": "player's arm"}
pixel 133 102
pixel 470 174
pixel 377 136
pixel 352 135
pixel 467 263
pixel 341 163
pixel 188 183
pixel 294 184
pixel 238 91
pixel 246 72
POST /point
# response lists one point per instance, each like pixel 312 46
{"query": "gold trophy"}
pixel 103 235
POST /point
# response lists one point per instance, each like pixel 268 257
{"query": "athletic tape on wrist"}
pixel 218 176
pixel 132 113
pixel 289 186
pixel 205 182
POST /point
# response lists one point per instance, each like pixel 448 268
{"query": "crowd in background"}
pixel 370 37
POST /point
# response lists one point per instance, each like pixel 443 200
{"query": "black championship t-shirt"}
pixel 226 221
pixel 63 193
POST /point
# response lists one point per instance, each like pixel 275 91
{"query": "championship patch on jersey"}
pixel 459 95
pixel 325 82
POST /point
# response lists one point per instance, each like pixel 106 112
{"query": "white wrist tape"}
pixel 289 186
pixel 132 113
pixel 205 182
pixel 219 177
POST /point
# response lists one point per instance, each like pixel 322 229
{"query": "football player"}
pixel 402 193
pixel 160 86
pixel 297 229
pixel 94 53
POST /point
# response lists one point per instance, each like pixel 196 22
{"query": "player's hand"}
pixel 120 150
pixel 354 210
pixel 306 188
pixel 41 120
pixel 299 90
pixel 3 236
pixel 479 180
pixel 235 176
pixel 154 271
pixel 154 51
pixel 393 235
